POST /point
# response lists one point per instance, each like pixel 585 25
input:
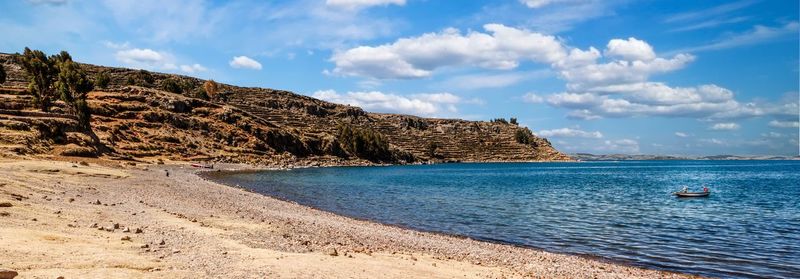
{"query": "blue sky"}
pixel 613 76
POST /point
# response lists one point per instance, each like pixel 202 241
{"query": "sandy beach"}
pixel 106 219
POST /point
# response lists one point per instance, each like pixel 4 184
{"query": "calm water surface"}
pixel 622 211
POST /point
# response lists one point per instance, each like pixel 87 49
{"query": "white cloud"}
pixel 418 104
pixel 713 141
pixel 628 146
pixel 681 134
pixel 784 124
pixel 758 34
pixel 358 4
pixel 713 11
pixel 533 4
pixel 570 133
pixel 138 55
pixel 532 98
pixel 244 62
pixel 501 47
pixel 631 49
pixel 482 81
pixel 725 126
pixel 194 68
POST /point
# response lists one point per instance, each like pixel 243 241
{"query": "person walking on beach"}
pixel 167 171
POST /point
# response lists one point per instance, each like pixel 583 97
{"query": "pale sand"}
pixel 215 231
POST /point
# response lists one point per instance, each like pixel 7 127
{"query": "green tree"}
pixel 73 84
pixel 41 71
pixel 524 136
pixel 102 79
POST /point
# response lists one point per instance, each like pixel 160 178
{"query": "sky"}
pixel 595 76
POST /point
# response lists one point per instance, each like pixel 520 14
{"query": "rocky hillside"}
pixel 136 117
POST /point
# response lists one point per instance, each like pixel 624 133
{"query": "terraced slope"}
pixel 253 125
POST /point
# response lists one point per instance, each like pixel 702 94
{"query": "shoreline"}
pixel 195 227
pixel 205 174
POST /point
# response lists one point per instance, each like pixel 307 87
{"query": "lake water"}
pixel 622 211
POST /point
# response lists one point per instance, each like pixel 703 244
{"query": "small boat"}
pixel 692 194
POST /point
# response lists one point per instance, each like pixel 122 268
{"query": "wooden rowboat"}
pixel 692 194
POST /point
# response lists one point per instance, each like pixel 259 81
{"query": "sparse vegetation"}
pixel 73 85
pixel 142 78
pixel 211 88
pixel 364 143
pixel 431 149
pixel 499 120
pixel 102 79
pixel 41 71
pixel 513 121
pixel 524 136
pixel 2 73
pixel 171 85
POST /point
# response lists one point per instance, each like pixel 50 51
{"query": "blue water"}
pixel 623 211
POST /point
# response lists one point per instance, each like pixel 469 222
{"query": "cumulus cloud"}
pixel 150 59
pixel 244 62
pixel 532 98
pixel 358 4
pixel 501 47
pixel 418 104
pixel 570 133
pixel 628 146
pixel 725 126
pixel 194 68
pixel 631 49
pixel 681 134
pixel 784 124
pixel 533 4
pixel 138 55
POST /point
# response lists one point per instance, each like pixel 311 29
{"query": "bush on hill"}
pixel 364 143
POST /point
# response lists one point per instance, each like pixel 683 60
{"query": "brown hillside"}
pixel 133 118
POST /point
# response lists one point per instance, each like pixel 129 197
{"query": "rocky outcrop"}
pixel 132 118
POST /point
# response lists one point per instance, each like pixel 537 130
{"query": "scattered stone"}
pixel 116 226
pixel 83 163
pixel 162 242
pixel 57 212
pixel 126 238
pixel 126 230
pixel 34 219
pixel 138 230
pixel 93 225
pixel 101 228
pixel 330 251
pixel 176 251
pixel 224 252
pixel 5 204
pixel 60 277
pixel 97 202
pixel 4 214
pixel 194 220
pixel 7 273
pixel 145 246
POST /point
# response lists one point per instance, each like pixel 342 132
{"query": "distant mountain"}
pixel 643 157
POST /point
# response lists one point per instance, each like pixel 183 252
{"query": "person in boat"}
pixel 685 189
pixel 705 189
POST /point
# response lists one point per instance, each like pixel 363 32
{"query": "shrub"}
pixel 364 143
pixel 499 120
pixel 431 149
pixel 102 79
pixel 513 121
pixel 40 70
pixel 2 74
pixel 524 136
pixel 211 88
pixel 171 85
